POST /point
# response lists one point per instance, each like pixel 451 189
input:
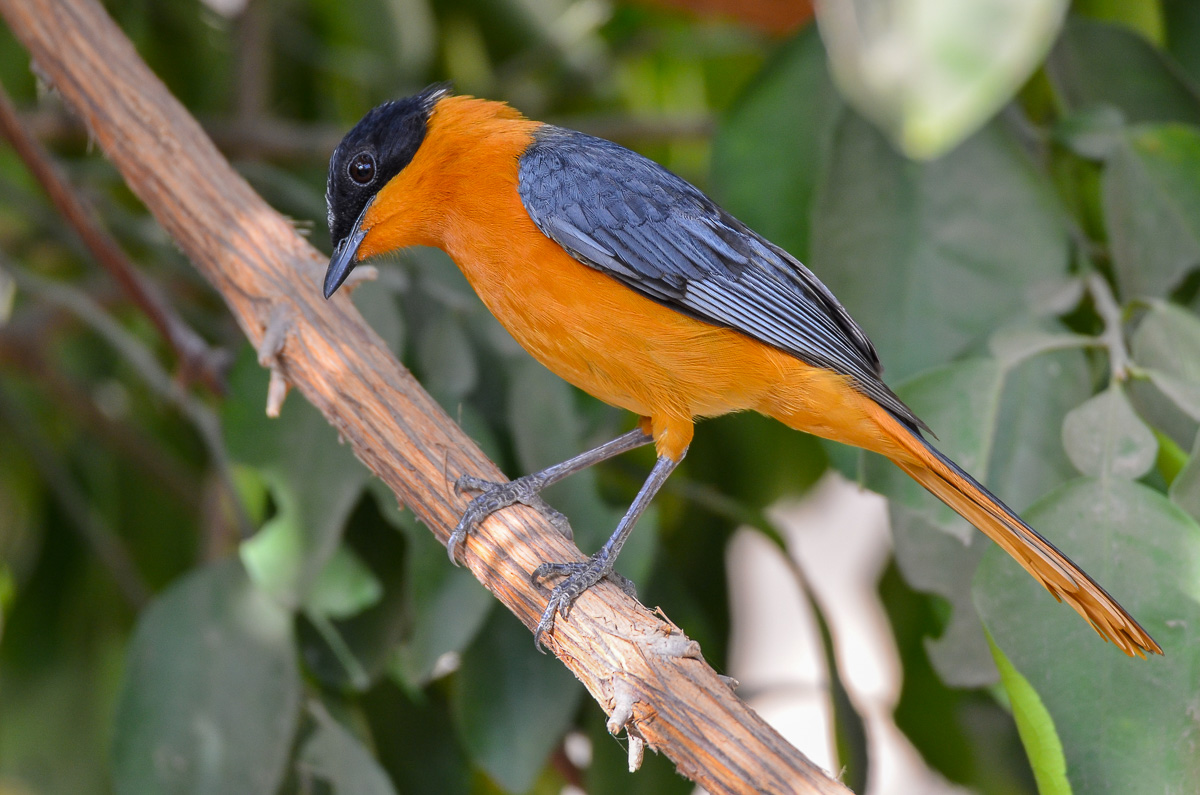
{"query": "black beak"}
pixel 343 260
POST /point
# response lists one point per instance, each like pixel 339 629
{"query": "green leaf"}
pixel 1035 726
pixel 788 110
pixel 211 691
pixel 252 491
pixel 1165 418
pixel 931 258
pixel 1023 340
pixel 350 646
pixel 1105 438
pixel 335 756
pixel 934 562
pixel 1152 208
pixel 1185 488
pixel 512 704
pixel 8 295
pixel 415 740
pixel 344 587
pixel 446 359
pixel 1166 346
pixel 1143 16
pixel 447 605
pixel 1122 721
pixel 1000 421
pixel 1171 457
pixel 1183 392
pixel 381 310
pixel 1093 132
pixel 1096 63
pixel 59 698
pixel 314 479
pixel 8 591
pixel 931 73
pixel 1183 39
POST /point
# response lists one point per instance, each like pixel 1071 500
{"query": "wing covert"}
pixel 627 216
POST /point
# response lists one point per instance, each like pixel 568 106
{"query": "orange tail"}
pixel 1054 570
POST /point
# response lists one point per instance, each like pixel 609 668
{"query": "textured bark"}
pixel 628 658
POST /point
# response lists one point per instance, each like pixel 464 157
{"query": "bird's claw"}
pixel 471 483
pixel 494 496
pixel 555 517
pixel 580 575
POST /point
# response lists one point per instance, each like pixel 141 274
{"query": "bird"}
pixel 633 285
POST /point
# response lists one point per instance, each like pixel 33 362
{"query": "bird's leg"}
pixel 583 575
pixel 525 490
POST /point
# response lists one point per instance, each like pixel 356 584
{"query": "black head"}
pixel 373 152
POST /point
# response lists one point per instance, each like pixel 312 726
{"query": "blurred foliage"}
pixel 930 72
pixel 1032 292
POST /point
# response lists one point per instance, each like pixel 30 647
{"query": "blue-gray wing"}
pixel 627 216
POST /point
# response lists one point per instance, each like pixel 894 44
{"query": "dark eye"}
pixel 362 168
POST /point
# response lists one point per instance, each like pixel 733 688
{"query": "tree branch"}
pixel 634 663
pixel 1113 335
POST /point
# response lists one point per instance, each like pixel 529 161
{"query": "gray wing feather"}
pixel 626 216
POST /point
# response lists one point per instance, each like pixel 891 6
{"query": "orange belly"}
pixel 632 352
pixel 610 341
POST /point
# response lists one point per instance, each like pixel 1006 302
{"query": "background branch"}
pixel 202 418
pixel 21 349
pixel 623 654
pixel 197 361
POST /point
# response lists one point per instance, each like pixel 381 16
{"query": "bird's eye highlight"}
pixel 362 168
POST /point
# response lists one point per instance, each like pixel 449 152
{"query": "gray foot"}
pixel 493 497
pixel 580 576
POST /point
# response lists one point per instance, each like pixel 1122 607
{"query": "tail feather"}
pixel 1054 570
pixel 828 404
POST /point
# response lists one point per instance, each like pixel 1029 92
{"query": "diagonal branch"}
pixel 634 663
